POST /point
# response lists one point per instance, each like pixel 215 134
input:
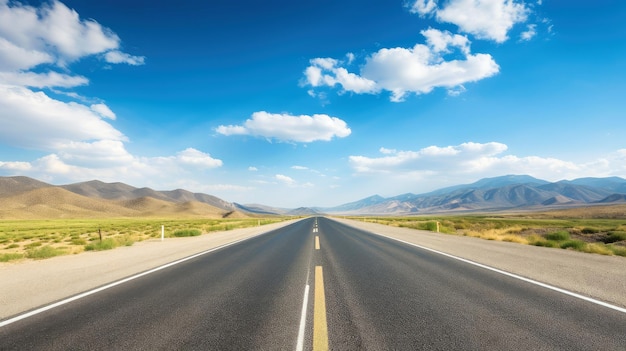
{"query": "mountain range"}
pixel 509 192
pixel 26 198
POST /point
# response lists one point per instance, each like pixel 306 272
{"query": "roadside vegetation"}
pixel 565 230
pixel 40 239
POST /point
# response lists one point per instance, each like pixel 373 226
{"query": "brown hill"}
pixel 121 191
pixel 10 186
pixel 151 207
pixel 55 202
pixel 101 190
pixel 26 198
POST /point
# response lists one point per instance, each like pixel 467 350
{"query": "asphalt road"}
pixel 358 291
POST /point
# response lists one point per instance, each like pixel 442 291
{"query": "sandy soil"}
pixel 30 284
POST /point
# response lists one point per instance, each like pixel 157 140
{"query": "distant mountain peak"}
pixel 491 194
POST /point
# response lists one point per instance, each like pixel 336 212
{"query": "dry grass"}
pixel 38 239
pixel 595 229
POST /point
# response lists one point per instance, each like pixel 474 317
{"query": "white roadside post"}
pixel 162 232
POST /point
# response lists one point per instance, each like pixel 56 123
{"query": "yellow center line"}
pixel 320 328
pixel 317 242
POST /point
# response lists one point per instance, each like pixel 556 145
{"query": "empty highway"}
pixel 319 284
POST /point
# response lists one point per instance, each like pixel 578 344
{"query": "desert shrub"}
pixel 44 252
pixel 33 245
pixel 6 257
pixel 618 250
pixel 558 236
pixel 545 243
pixel 79 241
pixel 573 244
pixel 432 226
pixel 13 246
pixel 514 239
pixel 106 244
pixel 598 249
pixel 589 230
pixel 615 237
pixel 187 232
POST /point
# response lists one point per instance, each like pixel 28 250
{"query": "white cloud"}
pixel 485 19
pixel 531 31
pixel 110 161
pixel 289 128
pixel 414 70
pixel 449 165
pixel 252 169
pixel 14 57
pixel 285 179
pixel 78 141
pixel 193 157
pixel 300 168
pixel 116 56
pixel 50 37
pixel 103 110
pixel 34 120
pixel 42 80
pixel 426 158
pixel 98 154
pixel 424 7
pixel 15 166
pixel 54 28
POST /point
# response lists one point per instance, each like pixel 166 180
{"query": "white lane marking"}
pixel 512 275
pixel 108 286
pixel 305 302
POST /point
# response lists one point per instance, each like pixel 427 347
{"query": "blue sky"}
pixel 290 103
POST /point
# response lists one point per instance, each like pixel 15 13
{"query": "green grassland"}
pixel 39 239
pixel 606 236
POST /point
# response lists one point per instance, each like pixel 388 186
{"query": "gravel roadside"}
pixel 30 284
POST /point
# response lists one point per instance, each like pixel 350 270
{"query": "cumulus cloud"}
pixel 110 161
pixel 38 44
pixel 53 33
pixel 417 70
pixel 13 57
pixel 37 47
pixel 15 166
pixel 35 44
pixel 289 128
pixel 485 19
pixel 98 154
pixel 193 157
pixel 34 120
pixel 457 163
pixel 431 156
